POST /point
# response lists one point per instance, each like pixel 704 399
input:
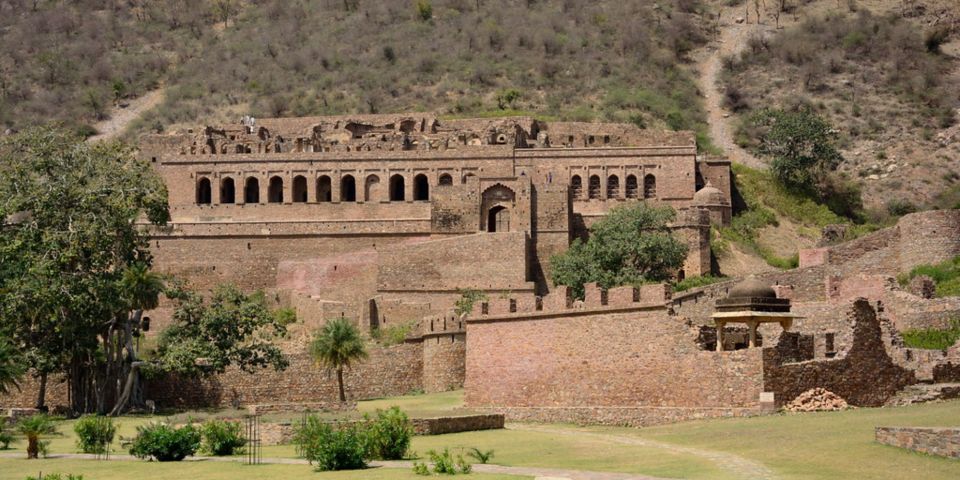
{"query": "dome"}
pixel 708 195
pixel 752 287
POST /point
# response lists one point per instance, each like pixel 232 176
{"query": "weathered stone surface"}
pixel 944 442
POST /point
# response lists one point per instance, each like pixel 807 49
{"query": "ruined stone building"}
pixel 385 219
pixel 369 211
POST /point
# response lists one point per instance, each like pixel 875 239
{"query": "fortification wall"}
pixel 444 361
pixel 929 237
pixel 615 358
pixel 389 371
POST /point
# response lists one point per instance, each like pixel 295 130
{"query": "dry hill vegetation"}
pixel 883 80
pixel 219 59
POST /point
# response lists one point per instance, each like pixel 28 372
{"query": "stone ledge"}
pixel 944 442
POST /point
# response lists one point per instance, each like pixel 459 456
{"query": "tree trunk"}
pixel 131 367
pixel 343 395
pixel 128 388
pixel 42 393
pixel 33 447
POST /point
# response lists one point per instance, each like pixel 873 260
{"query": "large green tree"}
pixel 337 346
pixel 633 244
pixel 230 328
pixel 70 230
pixel 12 366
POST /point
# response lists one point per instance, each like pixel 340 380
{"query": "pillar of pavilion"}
pixel 751 302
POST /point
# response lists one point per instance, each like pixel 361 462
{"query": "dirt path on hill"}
pixel 733 39
pixel 740 466
pixel 120 118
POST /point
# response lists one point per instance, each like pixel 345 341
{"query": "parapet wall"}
pixel 944 442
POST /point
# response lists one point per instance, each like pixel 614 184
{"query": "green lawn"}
pixel 825 445
pixel 16 469
pixel 797 446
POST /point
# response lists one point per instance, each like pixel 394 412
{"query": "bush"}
pixel 443 463
pixel 933 339
pixel 34 427
pixel 94 434
pixel 946 275
pixel 56 476
pixel 389 435
pixel 420 468
pixel 480 455
pixel 340 447
pixel 691 282
pixel 221 438
pixel 165 443
pixel 5 438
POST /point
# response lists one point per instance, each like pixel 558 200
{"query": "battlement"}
pixel 560 302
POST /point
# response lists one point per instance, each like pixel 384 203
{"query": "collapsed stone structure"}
pixel 384 219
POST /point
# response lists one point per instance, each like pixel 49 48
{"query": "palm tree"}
pixel 11 367
pixel 33 427
pixel 336 346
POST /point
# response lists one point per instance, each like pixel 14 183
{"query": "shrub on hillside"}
pixel 165 443
pixel 945 274
pixel 94 434
pixel 932 338
pixel 332 447
pixel 221 438
pixel 388 435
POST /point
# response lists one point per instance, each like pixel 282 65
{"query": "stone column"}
pixel 720 326
pixel 752 326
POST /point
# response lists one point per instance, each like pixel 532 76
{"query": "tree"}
pixel 12 367
pixel 802 147
pixel 337 346
pixel 34 427
pixel 141 290
pixel 631 245
pixel 229 329
pixel 69 222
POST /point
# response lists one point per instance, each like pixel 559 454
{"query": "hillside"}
pixel 606 60
pixel 884 74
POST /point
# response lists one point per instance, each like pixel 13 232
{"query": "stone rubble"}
pixel 817 400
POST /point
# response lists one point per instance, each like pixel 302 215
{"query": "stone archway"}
pixel 497 204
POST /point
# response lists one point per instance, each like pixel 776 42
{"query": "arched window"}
pixel 204 195
pixel 649 186
pixel 348 189
pixel 275 190
pixel 446 179
pixel 372 189
pixel 324 189
pixel 613 186
pixel 468 177
pixel 396 188
pixel 300 189
pixel 228 191
pixel 632 190
pixel 498 219
pixel 421 187
pixel 593 190
pixel 576 186
pixel 251 191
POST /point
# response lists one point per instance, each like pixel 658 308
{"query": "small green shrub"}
pixel 442 462
pixel 389 434
pixel 221 438
pixel 480 455
pixel 420 468
pixel 945 274
pixel 463 466
pixel 94 434
pixel 5 437
pixel 392 334
pixel 165 443
pixel 56 476
pixel 34 427
pixel 693 282
pixel 343 447
pixel 933 339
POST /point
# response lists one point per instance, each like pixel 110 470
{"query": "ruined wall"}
pixel 389 371
pixel 944 442
pixel 482 261
pixel 863 374
pixel 634 367
pixel 929 237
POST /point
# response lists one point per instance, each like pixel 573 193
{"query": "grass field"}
pixel 808 446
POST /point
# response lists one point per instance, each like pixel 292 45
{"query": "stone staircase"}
pixel 924 392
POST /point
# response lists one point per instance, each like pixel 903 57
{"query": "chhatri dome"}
pixel 708 195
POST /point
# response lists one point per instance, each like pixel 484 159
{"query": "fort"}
pixel 387 219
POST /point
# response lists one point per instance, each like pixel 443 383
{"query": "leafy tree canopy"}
pixel 631 245
pixel 802 147
pixel 69 215
pixel 231 328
